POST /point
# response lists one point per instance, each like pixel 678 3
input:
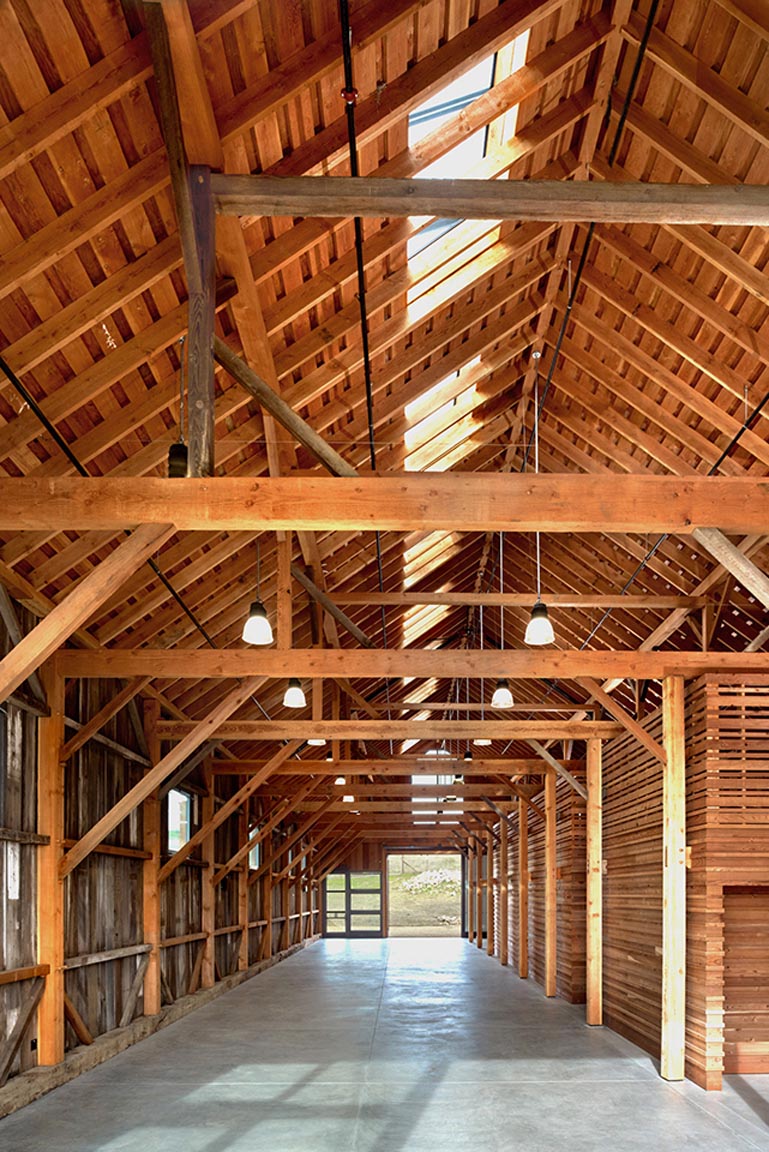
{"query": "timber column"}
pixel 672 1041
pixel 490 925
pixel 50 885
pixel 523 890
pixel 208 893
pixel 551 890
pixel 151 868
pixel 594 900
pixel 504 840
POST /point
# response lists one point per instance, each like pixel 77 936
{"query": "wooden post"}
pixel 503 927
pixel 335 712
pixel 523 891
pixel 551 895
pixel 208 893
pixel 243 917
pixel 200 351
pixel 470 890
pixel 150 884
pixel 285 909
pixel 50 886
pixel 672 1040
pixel 490 925
pixel 285 607
pixel 479 892
pixel 266 883
pixel 594 895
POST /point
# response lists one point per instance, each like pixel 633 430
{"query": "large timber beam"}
pixel 467 502
pixel 314 663
pixel 280 410
pixel 628 602
pixel 733 560
pixel 564 201
pixel 399 730
pixel 396 766
pixel 615 709
pixel 326 602
pixel 82 602
pixel 558 766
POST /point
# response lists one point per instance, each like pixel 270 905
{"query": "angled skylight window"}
pixel 432 115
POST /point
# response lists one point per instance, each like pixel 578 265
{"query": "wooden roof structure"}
pixel 166 215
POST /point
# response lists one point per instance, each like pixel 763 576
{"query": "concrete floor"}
pixel 387 1046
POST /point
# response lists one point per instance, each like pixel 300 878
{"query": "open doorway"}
pixel 424 894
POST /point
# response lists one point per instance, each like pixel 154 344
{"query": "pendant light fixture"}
pixel 257 628
pixel 294 695
pixel 539 630
pixel 482 741
pixel 177 453
pixel 503 697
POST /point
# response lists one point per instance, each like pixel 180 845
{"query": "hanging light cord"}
pixel 536 470
pixel 350 95
pixel 501 589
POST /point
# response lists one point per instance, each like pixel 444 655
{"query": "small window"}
pixel 179 819
pixel 253 855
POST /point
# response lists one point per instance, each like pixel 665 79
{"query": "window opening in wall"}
pixel 424 893
pixel 254 855
pixel 179 819
pixel 353 904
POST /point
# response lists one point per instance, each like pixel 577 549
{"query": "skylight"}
pixel 433 114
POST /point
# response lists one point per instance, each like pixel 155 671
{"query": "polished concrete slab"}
pixel 406 1045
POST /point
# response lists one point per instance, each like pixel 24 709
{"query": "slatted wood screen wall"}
pixel 727 815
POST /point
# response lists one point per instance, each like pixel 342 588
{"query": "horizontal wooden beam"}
pixel 468 502
pixel 396 729
pixel 397 766
pixel 314 663
pixel 630 603
pixel 559 200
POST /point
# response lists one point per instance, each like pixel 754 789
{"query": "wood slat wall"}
pixel 727 754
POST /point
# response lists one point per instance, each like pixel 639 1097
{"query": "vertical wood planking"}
pixel 151 867
pixel 673 882
pixel 594 896
pixel 200 347
pixel 523 890
pixel 50 886
pixel 551 894
pixel 504 844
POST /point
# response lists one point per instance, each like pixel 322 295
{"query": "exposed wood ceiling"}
pixel 664 341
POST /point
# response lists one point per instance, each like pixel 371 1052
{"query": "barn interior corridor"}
pixel 387 1046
